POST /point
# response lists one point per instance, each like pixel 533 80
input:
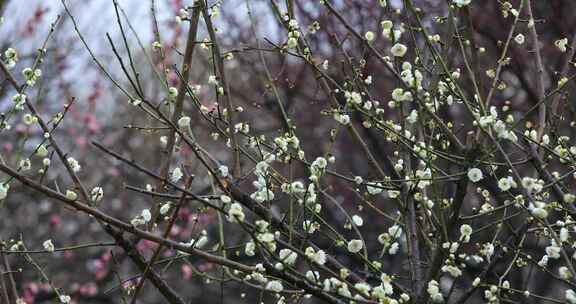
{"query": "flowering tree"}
pixel 331 151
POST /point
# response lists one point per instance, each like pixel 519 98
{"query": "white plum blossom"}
pixel 452 270
pixel 519 39
pixel 488 120
pixel 393 193
pixel 172 93
pixel 25 164
pixel 182 15
pixel 309 226
pixel 475 175
pixel 29 119
pixel 292 42
pixel 64 298
pixel 31 76
pixel 165 208
pixel 395 231
pixel 199 243
pixel 564 272
pixel 546 139
pixel 413 117
pixel 465 232
pixel 358 221
pixel 19 101
pixel 184 122
pixel 398 50
pixel 317 168
pixel 425 175
pixel 288 256
pixel 296 187
pixel 564 234
pixel 487 250
pixel 235 213
pixel 318 257
pixel 506 183
pixel 368 80
pixel 434 292
pixel 354 246
pixel 342 118
pixel 553 251
pixel 176 175
pixel 135 101
pixel 156 45
pixel 313 276
pixel 491 295
pixel 570 296
pixel 502 132
pixel 543 262
pixel 384 239
pixel 398 94
pixel 225 199
pixel 394 248
pixel 532 184
pixel 202 241
pixel 42 151
pixel 386 285
pixel 48 246
pixel 538 209
pixel 462 3
pixel 4 190
pixel 262 195
pixel 250 249
pixel 325 65
pixel 71 195
pixel 263 192
pixel 212 80
pixel 96 194
pixel 476 282
pixel 74 164
pixel 223 171
pixel 363 289
pixel 374 188
pixel 275 286
pixel 353 97
pixel 144 217
pixel 242 127
pixel 562 44
pixel 386 24
pixel 11 57
pixel 369 36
